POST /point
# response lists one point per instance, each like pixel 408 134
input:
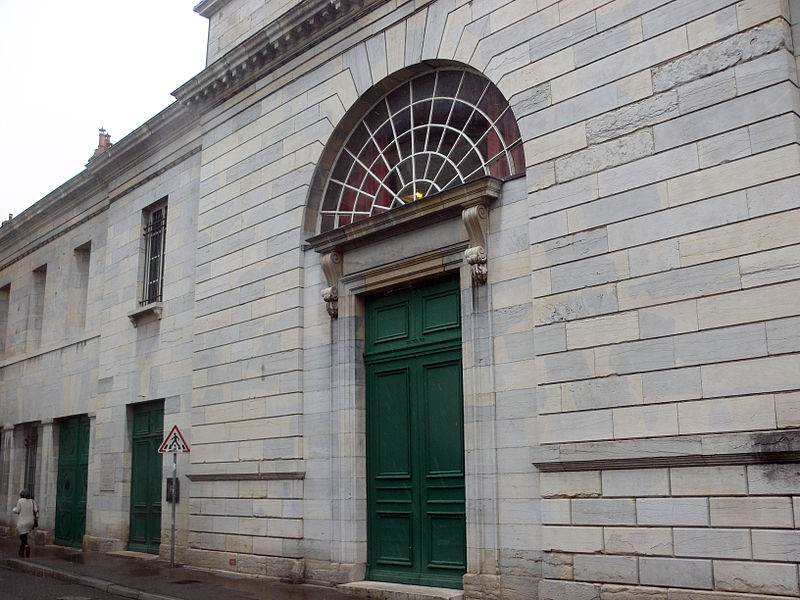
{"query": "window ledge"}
pixel 154 310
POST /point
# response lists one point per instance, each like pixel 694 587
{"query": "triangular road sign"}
pixel 174 442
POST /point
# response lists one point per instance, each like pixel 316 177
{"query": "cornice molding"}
pixel 207 8
pixel 415 215
pixel 63 197
pixel 719 449
pixel 283 39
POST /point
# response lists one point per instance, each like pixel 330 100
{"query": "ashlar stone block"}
pixel 552 589
pixel 762 303
pixel 666 571
pixel 720 56
pixel 668 319
pixel 635 482
pixel 645 421
pixel 777 373
pixel 572 539
pixel 578 484
pixel 774 479
pixel 776 544
pixel 787 409
pixel 750 13
pixel 681 284
pixel 762 578
pixel 719 24
pixel 672 511
pixel 626 119
pixel 727 414
pixel 616 569
pixel 708 481
pixel 638 540
pixel 751 512
pixel 604 330
pixel 714 543
pixel 601 392
pixel 605 155
pixel 752 237
pixel 603 511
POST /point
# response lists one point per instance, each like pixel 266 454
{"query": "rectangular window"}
pixel 31 446
pixel 36 308
pixel 79 289
pixel 5 300
pixel 155 230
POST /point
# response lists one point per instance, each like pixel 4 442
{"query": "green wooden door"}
pixel 415 437
pixel 148 433
pixel 73 468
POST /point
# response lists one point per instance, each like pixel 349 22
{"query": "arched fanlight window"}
pixel 434 132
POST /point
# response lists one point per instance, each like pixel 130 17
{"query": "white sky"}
pixel 70 68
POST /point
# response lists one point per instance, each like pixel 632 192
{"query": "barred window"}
pixel 434 132
pixel 154 237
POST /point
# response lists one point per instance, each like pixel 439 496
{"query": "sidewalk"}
pixel 144 578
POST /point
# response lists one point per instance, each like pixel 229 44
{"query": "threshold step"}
pixel 381 590
pixel 133 554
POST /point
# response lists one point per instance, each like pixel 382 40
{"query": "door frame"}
pixel 439 235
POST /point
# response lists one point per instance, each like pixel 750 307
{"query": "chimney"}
pixel 104 142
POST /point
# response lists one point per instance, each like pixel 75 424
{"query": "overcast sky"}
pixel 70 68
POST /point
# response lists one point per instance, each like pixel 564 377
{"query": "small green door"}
pixel 148 433
pixel 416 528
pixel 73 469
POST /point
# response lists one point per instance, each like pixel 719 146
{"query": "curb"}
pixel 99 584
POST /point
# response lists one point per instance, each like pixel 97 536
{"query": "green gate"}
pixel 148 433
pixel 73 469
pixel 415 437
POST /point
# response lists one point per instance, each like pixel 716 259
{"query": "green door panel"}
pixel 73 468
pixel 415 437
pixel 145 515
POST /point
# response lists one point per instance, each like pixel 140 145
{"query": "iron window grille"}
pixel 154 237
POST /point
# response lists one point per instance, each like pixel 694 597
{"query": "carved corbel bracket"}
pixel 475 220
pixel 332 267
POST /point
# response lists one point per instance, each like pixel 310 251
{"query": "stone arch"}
pixel 502 129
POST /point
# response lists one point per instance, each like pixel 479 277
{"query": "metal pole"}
pixel 174 496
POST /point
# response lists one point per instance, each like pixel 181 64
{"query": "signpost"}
pixel 173 444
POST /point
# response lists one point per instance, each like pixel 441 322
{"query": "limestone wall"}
pixel 659 244
pixel 664 213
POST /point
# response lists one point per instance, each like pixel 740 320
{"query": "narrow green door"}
pixel 148 433
pixel 416 530
pixel 73 469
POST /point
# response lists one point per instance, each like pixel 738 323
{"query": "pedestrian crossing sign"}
pixel 174 442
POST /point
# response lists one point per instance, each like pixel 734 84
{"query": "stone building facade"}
pixel 496 295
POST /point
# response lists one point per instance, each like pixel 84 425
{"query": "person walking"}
pixel 27 521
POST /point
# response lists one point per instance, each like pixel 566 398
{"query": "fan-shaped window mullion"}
pixel 444 128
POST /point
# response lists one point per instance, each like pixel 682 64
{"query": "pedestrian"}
pixel 27 521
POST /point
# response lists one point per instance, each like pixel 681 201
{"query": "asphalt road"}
pixel 15 585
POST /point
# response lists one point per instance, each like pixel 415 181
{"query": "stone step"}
pixel 380 590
